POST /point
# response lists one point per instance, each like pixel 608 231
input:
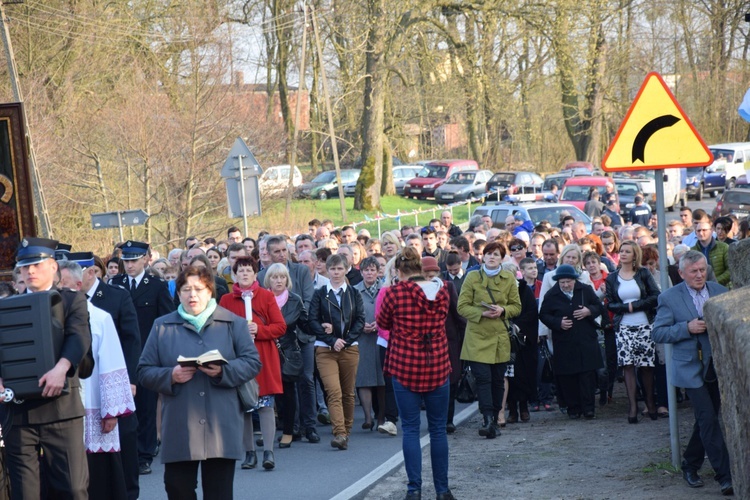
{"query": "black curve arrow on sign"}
pixel 649 129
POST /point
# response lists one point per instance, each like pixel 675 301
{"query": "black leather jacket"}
pixel 647 303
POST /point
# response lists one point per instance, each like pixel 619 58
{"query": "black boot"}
pixel 251 460
pixel 489 427
pixel 268 460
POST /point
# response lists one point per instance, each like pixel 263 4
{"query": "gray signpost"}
pixel 241 172
pixel 119 219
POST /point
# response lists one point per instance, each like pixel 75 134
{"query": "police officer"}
pixel 116 301
pixel 53 423
pixel 151 298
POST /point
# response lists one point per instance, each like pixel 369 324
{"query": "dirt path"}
pixel 553 457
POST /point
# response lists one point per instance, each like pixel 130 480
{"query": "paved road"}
pixel 317 471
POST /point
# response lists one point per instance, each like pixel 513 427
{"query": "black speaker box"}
pixel 31 337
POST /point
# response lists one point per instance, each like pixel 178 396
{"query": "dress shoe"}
pixel 285 441
pixel 726 488
pixel 341 442
pixel 324 418
pixel 445 496
pixel 251 460
pixel 312 435
pixel 144 469
pixel 268 461
pixel 413 495
pixel 692 478
pixel 525 417
pixel 450 428
pixel 512 418
pixel 368 426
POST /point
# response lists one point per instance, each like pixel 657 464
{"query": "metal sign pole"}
pixel 242 194
pixel 119 225
pixel 674 432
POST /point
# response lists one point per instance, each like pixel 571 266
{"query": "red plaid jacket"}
pixel 417 354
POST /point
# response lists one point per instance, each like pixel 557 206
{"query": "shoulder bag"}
pixel 467 387
pixel 291 362
pixel 247 392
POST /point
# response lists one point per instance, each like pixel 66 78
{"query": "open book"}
pixel 212 357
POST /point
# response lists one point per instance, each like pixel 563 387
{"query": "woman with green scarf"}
pixel 201 414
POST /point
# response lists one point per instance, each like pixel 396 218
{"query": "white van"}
pixel 733 158
pixel 276 179
pixel 674 192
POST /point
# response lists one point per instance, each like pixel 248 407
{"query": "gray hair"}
pixel 74 268
pixel 679 251
pixel 690 258
pixel 510 267
pixel 277 270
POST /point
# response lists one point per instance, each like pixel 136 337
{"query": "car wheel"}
pixel 470 196
pixel 323 195
pixel 699 194
pixel 712 194
pixel 731 184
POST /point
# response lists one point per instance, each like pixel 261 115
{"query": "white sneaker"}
pixel 388 428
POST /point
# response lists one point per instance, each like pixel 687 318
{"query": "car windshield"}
pixel 559 180
pixel 433 170
pixel 579 193
pixel 694 171
pixel 627 189
pixel 503 179
pixel 726 155
pixel 462 178
pixel 552 213
pixel 325 177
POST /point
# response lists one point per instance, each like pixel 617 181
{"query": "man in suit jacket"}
pixel 454 273
pixel 116 301
pixel 54 422
pixel 679 321
pixel 150 295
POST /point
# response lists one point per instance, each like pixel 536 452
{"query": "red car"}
pixel 433 175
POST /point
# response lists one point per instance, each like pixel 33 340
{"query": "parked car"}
pixel 504 183
pixel 576 190
pixel 401 175
pixel 325 185
pixel 700 181
pixel 463 186
pixel 575 165
pixel 736 201
pixel 561 177
pixel 433 175
pixel 536 212
pixel 626 191
pixel 275 180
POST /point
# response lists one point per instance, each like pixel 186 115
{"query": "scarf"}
pixel 237 290
pixel 491 272
pixel 282 298
pixel 199 320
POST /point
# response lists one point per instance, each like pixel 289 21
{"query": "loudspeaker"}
pixel 31 337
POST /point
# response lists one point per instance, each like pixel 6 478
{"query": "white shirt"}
pixel 320 281
pixel 137 279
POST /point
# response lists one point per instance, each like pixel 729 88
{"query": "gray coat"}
pixel 201 418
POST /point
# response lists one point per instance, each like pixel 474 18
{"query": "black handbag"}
pixel 467 387
pixel 248 394
pixel 548 374
pixel 291 363
pixel 517 340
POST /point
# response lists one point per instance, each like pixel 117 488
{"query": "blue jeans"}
pixel 436 404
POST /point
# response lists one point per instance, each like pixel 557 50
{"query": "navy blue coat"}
pixel 151 300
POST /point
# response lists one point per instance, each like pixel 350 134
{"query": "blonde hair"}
pixel 637 253
pixel 571 247
pixel 277 270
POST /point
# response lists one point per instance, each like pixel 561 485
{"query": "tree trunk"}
pixel 367 194
pixel 388 187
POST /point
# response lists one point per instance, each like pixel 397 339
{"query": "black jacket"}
pixel 151 300
pixel 295 317
pixel 325 309
pixel 576 349
pixel 647 303
pixel 117 302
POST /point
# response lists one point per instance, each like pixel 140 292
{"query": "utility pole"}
pixel 297 111
pixel 41 205
pixel 329 111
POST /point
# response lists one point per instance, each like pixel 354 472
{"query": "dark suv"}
pixel 503 183
pixel 736 201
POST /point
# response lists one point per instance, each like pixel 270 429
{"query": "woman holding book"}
pixel 200 408
pixel 266 324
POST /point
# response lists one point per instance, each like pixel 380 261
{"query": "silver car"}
pixel 401 175
pixel 463 185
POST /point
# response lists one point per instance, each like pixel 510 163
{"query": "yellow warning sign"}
pixel 656 133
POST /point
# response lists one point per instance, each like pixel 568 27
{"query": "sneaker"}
pixel 324 418
pixel 341 442
pixel 388 428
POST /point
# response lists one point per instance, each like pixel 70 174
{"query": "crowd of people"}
pixel 333 317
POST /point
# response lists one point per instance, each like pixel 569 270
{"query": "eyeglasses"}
pixel 517 248
pixel 188 291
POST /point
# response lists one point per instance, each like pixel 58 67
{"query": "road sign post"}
pixel 241 172
pixel 657 134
